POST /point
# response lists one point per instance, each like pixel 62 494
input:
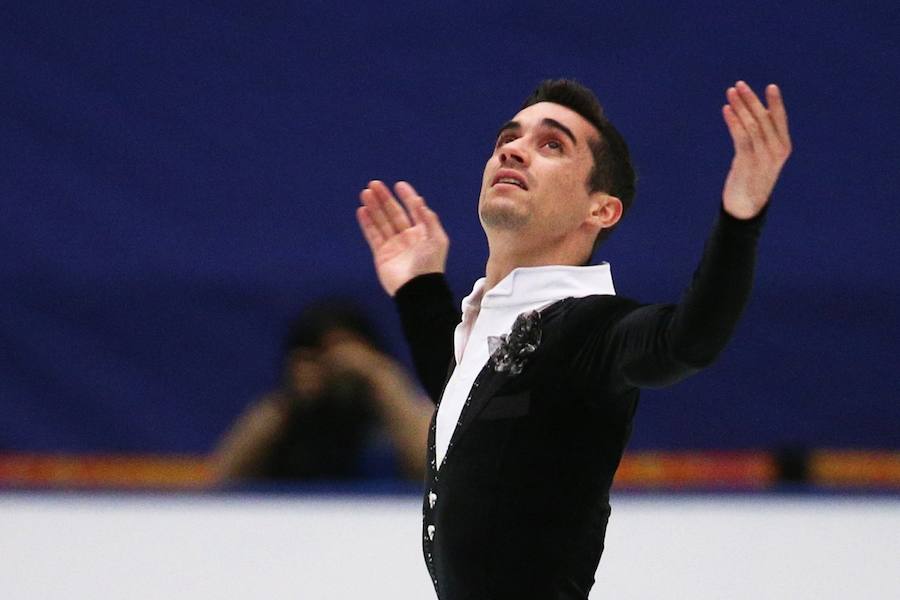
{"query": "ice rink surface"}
pixel 92 546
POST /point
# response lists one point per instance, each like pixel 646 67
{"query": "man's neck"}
pixel 501 263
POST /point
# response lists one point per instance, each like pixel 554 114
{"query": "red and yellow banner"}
pixel 841 469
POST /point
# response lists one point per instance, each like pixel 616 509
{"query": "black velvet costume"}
pixel 519 507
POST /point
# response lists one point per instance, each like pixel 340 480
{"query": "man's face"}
pixel 535 182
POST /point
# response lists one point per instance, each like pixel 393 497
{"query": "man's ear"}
pixel 605 212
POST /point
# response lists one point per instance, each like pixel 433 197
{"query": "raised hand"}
pixel 404 243
pixel 762 144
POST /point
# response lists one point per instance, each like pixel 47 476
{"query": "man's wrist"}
pixel 420 286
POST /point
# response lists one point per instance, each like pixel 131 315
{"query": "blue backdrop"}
pixel 178 178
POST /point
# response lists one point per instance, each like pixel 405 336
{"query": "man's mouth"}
pixel 510 177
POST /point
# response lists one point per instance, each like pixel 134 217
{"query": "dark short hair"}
pixel 613 172
pixel 309 328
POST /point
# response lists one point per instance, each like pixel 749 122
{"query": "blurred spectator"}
pixel 341 401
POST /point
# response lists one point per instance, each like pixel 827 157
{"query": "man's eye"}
pixel 505 139
pixel 554 145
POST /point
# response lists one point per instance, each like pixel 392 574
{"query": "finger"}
pixel 757 110
pixel 396 216
pixel 376 212
pixel 410 198
pixel 419 210
pixel 429 219
pixel 736 129
pixel 369 230
pixel 778 112
pixel 742 112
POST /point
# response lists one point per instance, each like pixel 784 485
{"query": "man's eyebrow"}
pixel 547 122
pixel 508 125
pixel 557 125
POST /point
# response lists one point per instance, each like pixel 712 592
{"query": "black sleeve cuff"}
pixel 428 289
pixel 730 225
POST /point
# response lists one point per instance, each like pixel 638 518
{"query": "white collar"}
pixel 547 283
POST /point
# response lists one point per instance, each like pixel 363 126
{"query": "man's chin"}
pixel 503 215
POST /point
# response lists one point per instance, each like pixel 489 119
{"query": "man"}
pixel 340 397
pixel 547 362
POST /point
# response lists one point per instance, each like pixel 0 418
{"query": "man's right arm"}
pixel 409 247
pixel 429 317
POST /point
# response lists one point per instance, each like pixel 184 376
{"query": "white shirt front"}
pixel 493 313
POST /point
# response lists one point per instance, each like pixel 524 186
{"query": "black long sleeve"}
pixel 656 345
pixel 429 318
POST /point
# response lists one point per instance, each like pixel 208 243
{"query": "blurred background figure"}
pixel 344 409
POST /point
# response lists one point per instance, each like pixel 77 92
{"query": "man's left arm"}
pixel 657 345
pixel 711 307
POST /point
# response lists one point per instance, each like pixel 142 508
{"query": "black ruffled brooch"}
pixel 510 351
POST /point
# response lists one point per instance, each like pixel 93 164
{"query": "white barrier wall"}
pixel 257 547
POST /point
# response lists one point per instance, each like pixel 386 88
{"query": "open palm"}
pixel 406 240
pixel 762 144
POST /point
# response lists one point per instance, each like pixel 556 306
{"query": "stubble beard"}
pixel 502 215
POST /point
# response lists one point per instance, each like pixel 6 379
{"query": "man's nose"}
pixel 514 152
